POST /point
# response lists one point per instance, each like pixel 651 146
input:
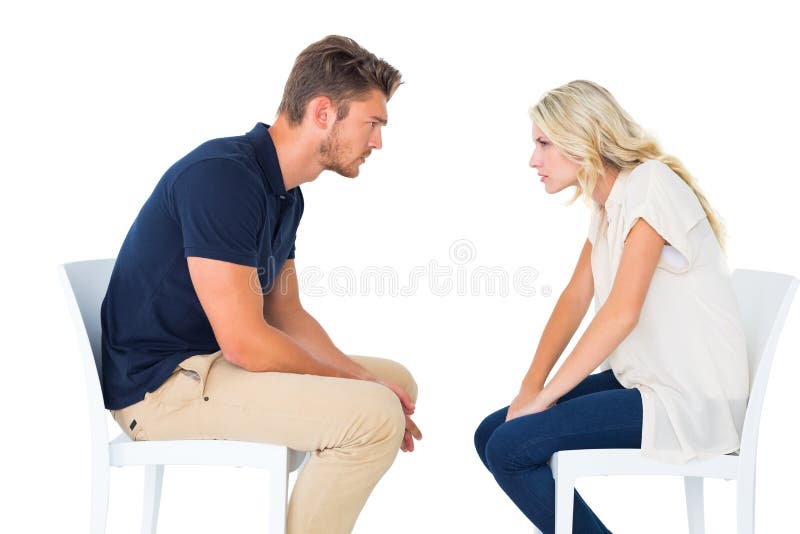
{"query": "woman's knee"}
pixel 485 431
pixel 497 455
pixel 508 450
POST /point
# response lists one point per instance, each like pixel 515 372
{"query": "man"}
pixel 204 335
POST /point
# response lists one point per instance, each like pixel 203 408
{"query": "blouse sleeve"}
pixel 660 197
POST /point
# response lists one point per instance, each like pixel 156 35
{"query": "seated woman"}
pixel 666 316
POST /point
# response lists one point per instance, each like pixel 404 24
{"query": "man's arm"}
pixel 283 310
pixel 234 309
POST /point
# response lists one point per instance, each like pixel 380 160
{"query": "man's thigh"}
pixel 210 398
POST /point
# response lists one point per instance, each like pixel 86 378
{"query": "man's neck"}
pixel 298 155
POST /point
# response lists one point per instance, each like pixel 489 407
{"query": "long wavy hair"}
pixel 585 121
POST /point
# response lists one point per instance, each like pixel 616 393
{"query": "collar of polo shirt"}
pixel 267 157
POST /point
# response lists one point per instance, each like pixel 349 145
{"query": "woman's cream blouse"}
pixel 687 353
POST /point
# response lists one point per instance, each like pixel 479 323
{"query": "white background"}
pixel 98 99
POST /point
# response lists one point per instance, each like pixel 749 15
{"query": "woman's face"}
pixel 556 171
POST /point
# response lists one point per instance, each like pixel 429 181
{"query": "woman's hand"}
pixel 527 403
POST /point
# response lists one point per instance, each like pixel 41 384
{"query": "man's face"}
pixel 352 139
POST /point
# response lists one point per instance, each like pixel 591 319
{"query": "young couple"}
pixel 199 342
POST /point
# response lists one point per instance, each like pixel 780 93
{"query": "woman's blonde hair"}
pixel 583 120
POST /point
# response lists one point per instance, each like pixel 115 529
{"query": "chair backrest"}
pixel 764 300
pixel 85 284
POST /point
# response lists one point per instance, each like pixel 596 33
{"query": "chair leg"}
pixel 99 498
pixel 153 476
pixel 565 497
pixel 279 489
pixel 695 504
pixel 746 504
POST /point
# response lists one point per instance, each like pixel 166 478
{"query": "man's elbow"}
pixel 250 358
pixel 237 354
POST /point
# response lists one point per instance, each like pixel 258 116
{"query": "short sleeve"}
pixel 220 207
pixel 659 196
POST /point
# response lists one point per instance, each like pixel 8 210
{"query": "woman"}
pixel 666 317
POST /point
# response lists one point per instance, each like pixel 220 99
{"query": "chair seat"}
pixel 596 462
pixel 124 451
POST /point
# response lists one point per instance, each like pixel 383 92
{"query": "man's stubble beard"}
pixel 332 155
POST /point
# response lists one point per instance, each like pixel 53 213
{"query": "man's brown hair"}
pixel 336 67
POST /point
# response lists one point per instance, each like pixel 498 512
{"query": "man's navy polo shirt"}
pixel 225 200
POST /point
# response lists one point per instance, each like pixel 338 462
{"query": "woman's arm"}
pixel 613 322
pixel 564 321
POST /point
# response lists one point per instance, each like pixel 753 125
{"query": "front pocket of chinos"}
pixel 193 373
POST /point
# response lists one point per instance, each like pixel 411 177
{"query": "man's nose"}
pixel 375 140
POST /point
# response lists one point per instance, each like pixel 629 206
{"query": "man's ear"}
pixel 321 111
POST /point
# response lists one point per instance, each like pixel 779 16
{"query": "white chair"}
pixel 764 299
pixel 85 284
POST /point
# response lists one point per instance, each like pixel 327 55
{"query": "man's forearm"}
pixel 309 334
pixel 268 349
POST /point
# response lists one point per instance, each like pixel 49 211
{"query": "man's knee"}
pixel 383 417
pixel 406 381
pixel 392 371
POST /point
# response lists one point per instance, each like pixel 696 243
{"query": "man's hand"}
pixel 405 400
pixel 412 433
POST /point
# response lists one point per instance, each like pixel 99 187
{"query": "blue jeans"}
pixel 597 414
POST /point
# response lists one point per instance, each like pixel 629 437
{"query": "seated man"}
pixel 204 336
